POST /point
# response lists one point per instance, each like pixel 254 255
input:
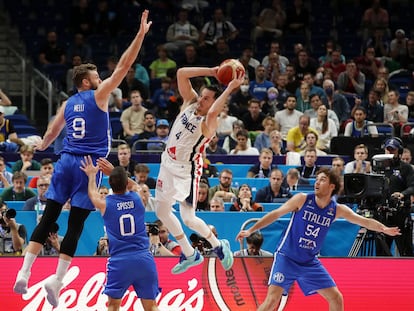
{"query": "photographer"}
pixel 160 244
pixel 102 249
pixel 52 244
pixel 401 184
pixel 12 234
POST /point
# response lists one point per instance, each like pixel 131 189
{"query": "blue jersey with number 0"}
pixel 125 224
pixel 87 126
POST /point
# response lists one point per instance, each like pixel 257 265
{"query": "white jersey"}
pixel 186 141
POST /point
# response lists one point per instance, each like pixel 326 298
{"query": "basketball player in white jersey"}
pixel 181 164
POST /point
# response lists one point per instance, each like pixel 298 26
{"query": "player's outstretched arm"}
pixel 293 204
pixel 184 84
pixel 369 223
pixel 91 170
pixel 125 62
pixel 53 129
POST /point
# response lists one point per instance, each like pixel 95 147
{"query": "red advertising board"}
pixel 367 284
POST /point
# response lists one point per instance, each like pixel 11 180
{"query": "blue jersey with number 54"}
pixel 87 126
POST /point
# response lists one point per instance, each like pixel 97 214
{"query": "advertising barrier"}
pixel 367 284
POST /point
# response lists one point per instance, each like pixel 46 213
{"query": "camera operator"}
pixel 52 244
pixel 160 244
pixel 12 234
pixel 401 184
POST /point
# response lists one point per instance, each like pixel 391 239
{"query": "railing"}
pixel 21 68
pixel 38 84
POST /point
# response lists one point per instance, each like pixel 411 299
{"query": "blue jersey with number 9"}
pixel 87 126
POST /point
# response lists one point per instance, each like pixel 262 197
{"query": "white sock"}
pixel 62 268
pixel 28 261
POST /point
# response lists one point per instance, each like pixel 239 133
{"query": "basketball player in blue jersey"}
pixel 296 255
pixel 182 164
pixel 123 214
pixel 85 115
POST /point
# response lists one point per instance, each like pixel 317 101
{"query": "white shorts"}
pixel 178 181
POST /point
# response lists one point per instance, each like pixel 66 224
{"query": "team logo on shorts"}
pixel 278 277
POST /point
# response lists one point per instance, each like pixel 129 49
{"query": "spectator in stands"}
pixel 132 118
pixel 304 65
pixel 275 48
pixel 373 106
pixel 380 42
pixel 407 157
pixel 313 112
pixel 381 85
pixel 309 169
pixel 358 127
pixel 102 249
pixel 13 234
pixel 338 165
pixel 311 141
pixel 263 139
pixel 208 169
pixel 38 202
pixel 141 173
pixel 293 180
pixel 242 147
pixel 180 34
pixel 394 112
pixel 53 241
pixel 230 141
pixel 216 205
pixel 160 66
pixel 161 97
pixel 18 191
pixel 51 53
pixel 271 104
pixel 276 143
pixel 5 176
pixel 224 190
pixel 4 99
pixel 124 159
pixel 374 18
pixel 239 101
pixel 264 166
pixel 359 165
pixel 111 63
pixel 147 199
pixel 245 202
pixel 76 60
pixel 149 130
pixel 408 60
pixel 9 141
pixel 409 101
pixel 335 101
pixel 80 48
pixel 219 53
pixel 26 162
pixel 160 243
pixel 103 191
pixel 325 128
pixel 106 20
pixel 399 46
pixel 270 22
pixel 190 57
pixel 254 246
pixel 303 97
pixel 141 72
pixel 283 93
pixel 330 47
pixel 258 87
pixel 214 147
pixel 351 81
pixel 368 64
pixel 216 28
pixel 202 197
pixel 274 191
pixel 162 130
pixel 225 122
pixel 81 18
pixel 288 117
pixel 274 68
pixel 336 65
pixel 293 83
pixel 130 84
pixel 46 168
pixel 253 119
pixel 309 78
pixel 295 139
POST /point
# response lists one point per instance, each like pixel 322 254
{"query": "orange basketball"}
pixel 228 70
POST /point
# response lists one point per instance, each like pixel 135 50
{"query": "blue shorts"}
pixel 138 270
pixel 69 181
pixel 311 276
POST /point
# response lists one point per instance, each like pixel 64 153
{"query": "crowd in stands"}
pixel 296 97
